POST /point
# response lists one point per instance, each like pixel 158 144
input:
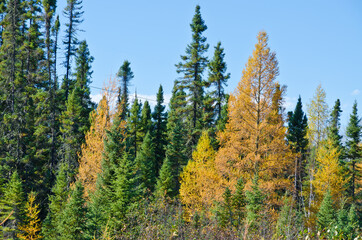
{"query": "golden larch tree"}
pixel 329 174
pixel 92 150
pixel 31 227
pixel 199 180
pixel 253 142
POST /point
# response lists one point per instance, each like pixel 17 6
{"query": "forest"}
pixel 206 165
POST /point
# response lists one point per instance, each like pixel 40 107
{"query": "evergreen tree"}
pixel 165 182
pixel 333 130
pixel 325 216
pixel 11 204
pixel 31 226
pixel 160 129
pixel 134 129
pixel 145 122
pixel 57 203
pixel 221 123
pixel 298 141
pixel 254 204
pixel 239 203
pixel 354 152
pixel 225 214
pixel 218 77
pixel 72 130
pixel 73 13
pixel 145 164
pixel 353 226
pixel 125 191
pixel 126 75
pixel 192 66
pixel 73 219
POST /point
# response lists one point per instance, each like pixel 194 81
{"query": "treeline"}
pixel 212 166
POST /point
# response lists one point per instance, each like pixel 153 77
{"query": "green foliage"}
pixel 218 77
pixel 11 205
pixel 192 66
pixel 145 121
pixel 146 164
pixel 73 219
pixel 57 203
pixel 326 216
pixel 354 151
pixel 134 129
pixel 165 183
pixel 254 204
pixel 160 129
pixel 126 75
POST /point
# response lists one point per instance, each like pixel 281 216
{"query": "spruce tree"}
pixel 134 128
pixel 353 225
pixel 333 130
pixel 73 219
pixel 165 182
pixel 57 201
pixel 239 203
pixel 218 78
pixel 325 215
pixel 353 133
pixel 298 141
pixel 192 67
pixel 254 204
pixel 73 13
pixel 160 129
pixel 145 122
pixel 225 213
pixel 125 74
pixel 11 205
pixel 145 164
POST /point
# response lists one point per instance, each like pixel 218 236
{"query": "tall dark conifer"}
pixel 146 121
pixel 192 67
pixel 298 141
pixel 160 129
pixel 125 74
pixel 333 130
pixel 354 130
pixel 73 13
pixel 134 129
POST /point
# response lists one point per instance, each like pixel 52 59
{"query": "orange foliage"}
pixel 92 151
pixel 254 138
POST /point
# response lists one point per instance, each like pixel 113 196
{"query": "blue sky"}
pixel 316 42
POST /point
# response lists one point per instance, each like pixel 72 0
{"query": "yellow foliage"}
pixel 31 228
pixel 254 138
pixel 329 174
pixel 199 179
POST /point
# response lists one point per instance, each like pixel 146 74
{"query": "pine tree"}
pixel 73 12
pixel 73 219
pixel 11 204
pixel 218 77
pixel 57 203
pixel 145 121
pixel 254 138
pixel 126 75
pixel 31 226
pixel 354 151
pixel 192 66
pixel 325 216
pixel 146 164
pixel 353 226
pixel 298 141
pixel 160 129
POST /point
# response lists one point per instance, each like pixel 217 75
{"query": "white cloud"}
pixel 96 97
pixel 290 103
pixel 355 92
